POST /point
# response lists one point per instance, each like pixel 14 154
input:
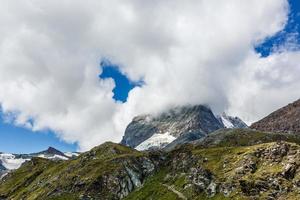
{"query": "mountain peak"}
pixel 52 150
pixel 177 125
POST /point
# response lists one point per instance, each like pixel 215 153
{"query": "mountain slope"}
pixel 264 171
pixel 285 120
pixel 243 137
pixel 175 126
pixel 214 170
pixel 109 171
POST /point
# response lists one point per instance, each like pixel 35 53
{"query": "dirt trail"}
pixel 179 194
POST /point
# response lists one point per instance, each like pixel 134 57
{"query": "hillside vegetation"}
pixel 229 164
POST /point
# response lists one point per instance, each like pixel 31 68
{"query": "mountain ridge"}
pixel 285 119
pixel 10 162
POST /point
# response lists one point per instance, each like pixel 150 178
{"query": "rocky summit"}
pixel 176 126
pixel 285 120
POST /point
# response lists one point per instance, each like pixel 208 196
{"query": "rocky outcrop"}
pixel 284 120
pixel 128 178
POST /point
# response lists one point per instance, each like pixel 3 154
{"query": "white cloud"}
pixel 186 52
pixel 265 84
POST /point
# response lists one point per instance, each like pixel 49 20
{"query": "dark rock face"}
pixel 3 170
pixel 126 179
pixel 178 121
pixel 51 151
pixel 138 131
pixel 284 120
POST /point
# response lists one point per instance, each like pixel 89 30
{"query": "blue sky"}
pixel 21 140
pixel 291 30
pixel 123 84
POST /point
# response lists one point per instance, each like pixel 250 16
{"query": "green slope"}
pixel 229 164
pixel 92 174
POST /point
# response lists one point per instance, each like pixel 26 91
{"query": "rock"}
pixel 290 170
pixel 134 177
pixel 251 188
pixel 247 165
pixel 211 189
pixel 203 180
pixel 274 153
pixel 226 188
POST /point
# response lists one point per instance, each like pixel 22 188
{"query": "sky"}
pixel 74 74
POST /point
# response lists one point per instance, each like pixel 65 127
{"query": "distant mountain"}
pixel 9 162
pixel 175 126
pixel 284 120
pixel 51 153
pixel 231 122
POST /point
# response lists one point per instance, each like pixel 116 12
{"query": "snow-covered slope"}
pixel 53 157
pixel 156 141
pixel 227 123
pixel 9 162
pixel 72 154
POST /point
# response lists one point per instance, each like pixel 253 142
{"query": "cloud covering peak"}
pixel 191 52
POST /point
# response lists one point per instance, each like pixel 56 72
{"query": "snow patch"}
pixel 156 141
pixel 226 122
pixel 10 162
pixel 53 157
pixel 71 154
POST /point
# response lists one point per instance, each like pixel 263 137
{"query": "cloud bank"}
pixel 187 52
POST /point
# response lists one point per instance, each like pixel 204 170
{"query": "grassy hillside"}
pixel 98 173
pixel 244 137
pixel 229 164
pixel 264 171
